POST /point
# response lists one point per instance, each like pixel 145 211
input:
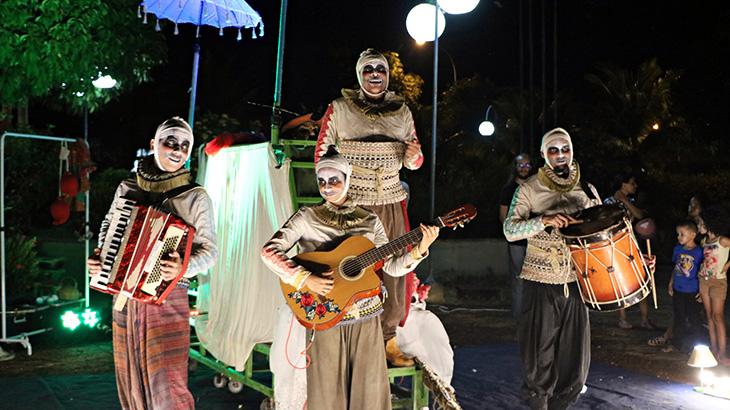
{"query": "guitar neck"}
pixel 378 254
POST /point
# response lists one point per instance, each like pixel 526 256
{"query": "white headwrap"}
pixel 333 159
pixel 551 136
pixel 177 127
pixel 372 57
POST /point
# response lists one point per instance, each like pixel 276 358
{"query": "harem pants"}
pixel 554 336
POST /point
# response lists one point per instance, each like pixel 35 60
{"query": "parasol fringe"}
pixel 176 30
pixel 261 29
pixel 139 12
pixel 220 31
pixel 144 21
pixel 253 34
pixel 157 25
pixel 238 38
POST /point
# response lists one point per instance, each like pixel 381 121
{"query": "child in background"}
pixel 713 276
pixel 693 213
pixel 684 288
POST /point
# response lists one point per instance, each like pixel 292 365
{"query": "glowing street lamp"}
pixel 104 81
pixel 486 128
pixel 457 6
pixel 421 21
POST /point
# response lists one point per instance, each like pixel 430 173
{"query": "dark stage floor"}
pixel 486 377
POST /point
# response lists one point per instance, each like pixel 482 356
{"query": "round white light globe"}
pixel 457 6
pixel 486 128
pixel 420 22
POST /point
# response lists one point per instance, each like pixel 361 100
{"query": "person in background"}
pixel 521 167
pixel 625 187
pixel 714 223
pixel 693 214
pixel 684 288
pixel 152 343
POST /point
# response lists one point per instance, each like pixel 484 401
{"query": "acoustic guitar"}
pixel 353 273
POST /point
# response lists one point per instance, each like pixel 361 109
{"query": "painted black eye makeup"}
pixel 370 69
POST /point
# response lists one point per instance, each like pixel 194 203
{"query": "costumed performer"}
pixel 348 368
pixel 152 343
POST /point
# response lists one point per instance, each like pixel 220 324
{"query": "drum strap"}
pixel 587 189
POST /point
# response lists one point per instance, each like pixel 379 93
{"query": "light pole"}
pixel 419 22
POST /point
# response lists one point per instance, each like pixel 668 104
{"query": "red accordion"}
pixel 136 241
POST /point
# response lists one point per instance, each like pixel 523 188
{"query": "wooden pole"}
pixel 653 284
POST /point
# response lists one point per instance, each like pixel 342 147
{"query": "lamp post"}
pixel 419 22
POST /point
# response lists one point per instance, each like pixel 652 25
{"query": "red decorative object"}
pixel 307 300
pixel 60 211
pixel 69 184
pixel 320 309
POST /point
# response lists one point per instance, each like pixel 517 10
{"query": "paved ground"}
pixel 76 371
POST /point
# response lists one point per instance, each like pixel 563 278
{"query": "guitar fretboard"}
pixel 373 256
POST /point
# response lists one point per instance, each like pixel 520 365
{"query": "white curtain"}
pixel 252 200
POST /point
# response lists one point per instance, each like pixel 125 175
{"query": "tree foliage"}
pixel 58 47
pixel 407 85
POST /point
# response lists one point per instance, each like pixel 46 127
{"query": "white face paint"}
pixel 331 184
pixel 374 79
pixel 171 152
pixel 559 155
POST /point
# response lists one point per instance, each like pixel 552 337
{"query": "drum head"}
pixel 595 219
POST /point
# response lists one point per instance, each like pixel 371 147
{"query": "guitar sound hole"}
pixel 351 268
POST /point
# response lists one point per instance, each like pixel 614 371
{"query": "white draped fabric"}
pixel 251 200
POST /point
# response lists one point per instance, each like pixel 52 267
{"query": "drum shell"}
pixel 609 268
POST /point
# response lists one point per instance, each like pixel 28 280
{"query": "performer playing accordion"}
pixel 151 342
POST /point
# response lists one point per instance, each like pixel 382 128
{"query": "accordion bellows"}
pixel 136 241
pixel 375 166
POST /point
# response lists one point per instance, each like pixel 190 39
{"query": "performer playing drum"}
pixel 554 331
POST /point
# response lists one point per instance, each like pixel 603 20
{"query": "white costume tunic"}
pixel 383 127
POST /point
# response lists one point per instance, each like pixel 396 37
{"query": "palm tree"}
pixel 631 105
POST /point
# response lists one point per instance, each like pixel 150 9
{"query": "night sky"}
pixel 324 38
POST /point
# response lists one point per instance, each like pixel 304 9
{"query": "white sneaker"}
pixel 584 389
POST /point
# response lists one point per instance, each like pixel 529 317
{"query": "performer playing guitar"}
pixel 348 365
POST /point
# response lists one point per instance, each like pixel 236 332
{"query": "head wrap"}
pixel 178 128
pixel 551 136
pixel 333 159
pixel 372 57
